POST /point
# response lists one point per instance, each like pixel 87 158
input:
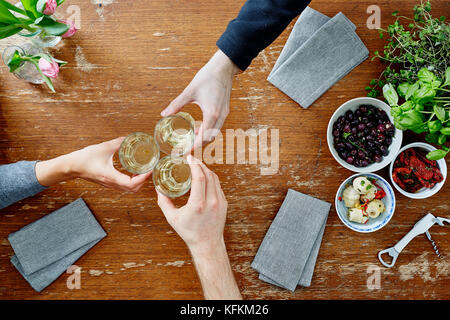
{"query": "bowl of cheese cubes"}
pixel 365 202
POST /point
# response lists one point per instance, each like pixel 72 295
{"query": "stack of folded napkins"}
pixel 318 53
pixel 287 256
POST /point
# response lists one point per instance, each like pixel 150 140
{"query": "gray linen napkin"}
pixel 45 248
pixel 318 53
pixel 288 253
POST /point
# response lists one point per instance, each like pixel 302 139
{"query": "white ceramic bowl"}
pixel 373 224
pixel 424 192
pixel 353 105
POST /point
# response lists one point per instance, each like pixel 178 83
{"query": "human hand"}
pixel 93 163
pixel 201 221
pixel 210 89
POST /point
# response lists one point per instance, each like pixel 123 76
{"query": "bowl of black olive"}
pixel 361 135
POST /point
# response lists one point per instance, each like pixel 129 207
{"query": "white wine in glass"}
pixel 172 176
pixel 139 153
pixel 175 134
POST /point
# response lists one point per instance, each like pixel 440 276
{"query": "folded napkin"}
pixel 318 53
pixel 45 248
pixel 288 253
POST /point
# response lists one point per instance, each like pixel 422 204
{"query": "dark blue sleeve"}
pixel 258 24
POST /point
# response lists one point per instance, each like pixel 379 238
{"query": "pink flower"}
pixel 72 28
pixel 50 7
pixel 50 69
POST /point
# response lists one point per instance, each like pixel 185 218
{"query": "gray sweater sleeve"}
pixel 18 181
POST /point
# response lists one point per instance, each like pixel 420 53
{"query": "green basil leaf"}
pixel 402 89
pixel 426 75
pixel 407 105
pixel 390 94
pixel 442 139
pixel 432 137
pixel 425 94
pixel 439 111
pixel 436 154
pixel 411 90
pixel 445 131
pixel 434 126
pixel 447 77
pixel 412 120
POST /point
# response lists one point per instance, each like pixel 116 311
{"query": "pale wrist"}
pixel 55 170
pixel 223 64
pixel 208 249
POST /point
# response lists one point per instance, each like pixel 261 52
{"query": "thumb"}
pixel 166 205
pixel 114 145
pixel 176 104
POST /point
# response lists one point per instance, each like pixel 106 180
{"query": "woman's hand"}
pixel 93 163
pixel 210 90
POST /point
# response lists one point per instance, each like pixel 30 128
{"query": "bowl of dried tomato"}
pixel 415 176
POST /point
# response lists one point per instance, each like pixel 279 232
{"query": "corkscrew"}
pixel 422 226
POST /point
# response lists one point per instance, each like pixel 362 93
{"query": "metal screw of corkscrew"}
pixel 433 244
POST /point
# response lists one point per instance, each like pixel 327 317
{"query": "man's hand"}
pixel 93 163
pixel 200 224
pixel 201 221
pixel 210 90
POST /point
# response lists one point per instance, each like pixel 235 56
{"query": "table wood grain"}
pixel 128 61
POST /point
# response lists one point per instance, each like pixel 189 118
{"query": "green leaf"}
pixel 402 89
pixel 436 154
pixel 30 7
pixel 40 5
pixel 434 126
pixel 390 94
pixel 432 137
pixel 407 105
pixel 6 16
pixel 15 62
pixel 442 139
pixel 46 79
pixel 412 120
pixel 8 31
pixel 52 27
pixel 439 111
pixel 445 131
pixel 425 94
pixel 411 90
pixel 394 13
pixel 12 7
pixel 447 77
pixel 426 75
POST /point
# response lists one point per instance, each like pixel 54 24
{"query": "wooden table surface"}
pixel 128 61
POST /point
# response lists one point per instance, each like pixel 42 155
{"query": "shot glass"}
pixel 175 134
pixel 172 176
pixel 139 153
